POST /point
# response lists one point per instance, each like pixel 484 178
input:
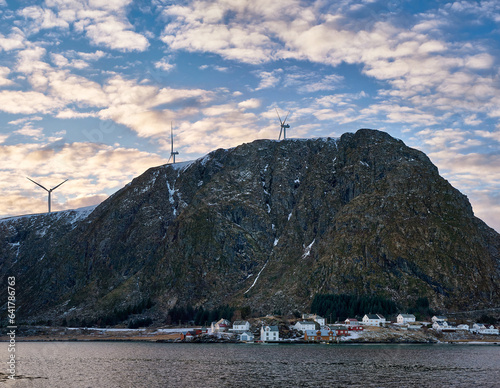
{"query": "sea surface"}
pixel 139 364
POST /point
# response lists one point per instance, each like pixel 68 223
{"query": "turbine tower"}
pixel 283 126
pixel 48 191
pixel 172 152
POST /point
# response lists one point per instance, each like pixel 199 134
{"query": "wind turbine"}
pixel 172 152
pixel 48 191
pixel 283 126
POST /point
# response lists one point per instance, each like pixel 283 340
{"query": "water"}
pixel 136 364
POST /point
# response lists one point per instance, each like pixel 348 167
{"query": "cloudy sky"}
pixel 88 88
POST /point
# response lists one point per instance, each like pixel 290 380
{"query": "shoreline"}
pixel 174 335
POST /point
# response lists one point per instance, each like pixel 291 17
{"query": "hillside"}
pixel 266 225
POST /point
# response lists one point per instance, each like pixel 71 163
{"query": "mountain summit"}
pixel 266 225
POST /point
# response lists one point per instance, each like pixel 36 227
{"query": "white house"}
pixel 269 333
pixel 489 330
pixel 241 326
pixel 352 322
pixel 247 337
pixel 320 320
pixel 463 327
pixel 373 320
pixel 220 326
pixel 405 318
pixel 480 328
pixel 315 317
pixel 440 325
pixel 413 326
pixel 437 318
pixel 305 325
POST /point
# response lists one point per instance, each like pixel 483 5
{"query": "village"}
pixel 315 329
pixel 276 329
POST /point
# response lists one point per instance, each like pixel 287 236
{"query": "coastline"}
pixel 173 335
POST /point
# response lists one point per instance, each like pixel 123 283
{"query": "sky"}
pixel 90 88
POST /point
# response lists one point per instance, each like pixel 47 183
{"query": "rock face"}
pixel 267 225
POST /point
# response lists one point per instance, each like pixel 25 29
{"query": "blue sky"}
pixel 88 89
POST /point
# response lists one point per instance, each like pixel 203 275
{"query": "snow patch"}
pixel 307 250
pixel 181 165
pixel 257 278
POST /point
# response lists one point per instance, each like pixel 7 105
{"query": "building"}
pixel 221 325
pixel 340 330
pixel 413 326
pixel 440 325
pixel 305 325
pixel 319 335
pixel 315 318
pixel 437 318
pixel 480 328
pixel 269 333
pixel 351 321
pixel 489 330
pixel 240 326
pixel 190 335
pixel 405 318
pixel 247 337
pixel 326 334
pixel 373 320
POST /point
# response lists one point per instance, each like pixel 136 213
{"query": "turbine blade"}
pixel 37 184
pixel 281 122
pixel 169 158
pixel 171 138
pixel 286 117
pixel 58 185
pixel 281 130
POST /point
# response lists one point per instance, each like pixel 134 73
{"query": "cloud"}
pixel 94 170
pixel 104 23
pixel 4 72
pixel 252 103
pixel 114 33
pixel 269 79
pixel 41 18
pixel 14 41
pixel 143 108
pixel 27 102
pixel 413 58
pixel 164 65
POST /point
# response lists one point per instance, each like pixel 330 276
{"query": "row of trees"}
pixel 111 319
pixel 343 306
pixel 200 316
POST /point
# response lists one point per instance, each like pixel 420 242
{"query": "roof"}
pixel 314 333
pixel 407 315
pixel 307 323
pixel 373 316
pixel 273 328
pixel 240 323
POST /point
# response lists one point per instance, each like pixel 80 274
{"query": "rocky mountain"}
pixel 267 225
